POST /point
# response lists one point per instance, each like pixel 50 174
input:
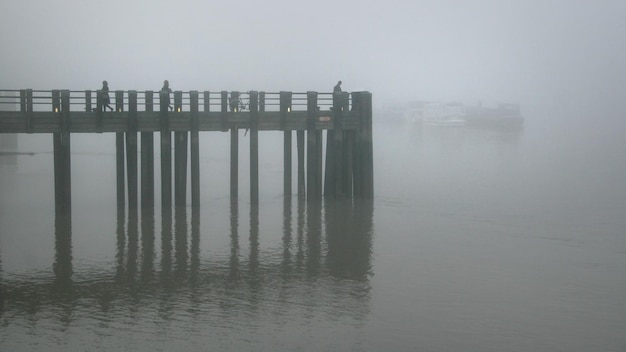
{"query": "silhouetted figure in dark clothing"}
pixel 106 100
pixel 337 88
pixel 233 102
pixel 165 94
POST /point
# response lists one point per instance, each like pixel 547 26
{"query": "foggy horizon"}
pixel 539 53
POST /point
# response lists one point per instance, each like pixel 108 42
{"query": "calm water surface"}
pixel 477 240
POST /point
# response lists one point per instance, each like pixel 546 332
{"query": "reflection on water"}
pixel 332 242
pixel 485 240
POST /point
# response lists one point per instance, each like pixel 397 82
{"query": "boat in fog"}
pixel 444 114
pixel 502 116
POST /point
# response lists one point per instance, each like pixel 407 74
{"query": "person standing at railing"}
pixel 337 88
pixel 106 100
pixel 233 102
pixel 165 95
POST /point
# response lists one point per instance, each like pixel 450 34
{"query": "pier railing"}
pixel 33 111
pixel 87 100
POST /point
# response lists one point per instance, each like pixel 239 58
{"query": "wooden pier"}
pixel 346 118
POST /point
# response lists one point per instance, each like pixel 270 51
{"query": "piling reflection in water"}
pixel 326 241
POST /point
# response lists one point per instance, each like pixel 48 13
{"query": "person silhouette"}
pixel 233 102
pixel 106 100
pixel 165 95
pixel 337 88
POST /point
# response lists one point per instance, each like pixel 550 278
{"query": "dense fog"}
pixel 563 55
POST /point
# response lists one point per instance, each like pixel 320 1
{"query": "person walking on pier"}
pixel 165 95
pixel 106 100
pixel 337 88
pixel 233 102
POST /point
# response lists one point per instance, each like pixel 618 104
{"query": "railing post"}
pixel 23 102
pixel 65 111
pixel 26 107
pixel 88 100
pixel 178 101
pixel 261 101
pixel 207 101
pixel 119 100
pixel 56 100
pixel 99 110
pixel 224 110
pixel 234 101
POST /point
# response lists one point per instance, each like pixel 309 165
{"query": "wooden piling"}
pixel 147 160
pixel 180 160
pixel 131 155
pixel 62 159
pixel 234 163
pixel 254 147
pixel 120 172
pixel 313 191
pixel 120 151
pixel 301 166
pixel 195 150
pixel 363 145
pixel 285 108
pixel 337 170
pixel 166 153
pixel 319 158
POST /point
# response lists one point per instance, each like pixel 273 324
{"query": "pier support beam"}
pixel 195 150
pixel 62 159
pixel 254 148
pixel 338 174
pixel 363 146
pixel 120 171
pixel 147 162
pixel 181 139
pixel 285 108
pixel 301 166
pixel 119 157
pixel 234 163
pixel 313 182
pixel 166 153
pixel 131 156
pixel 62 190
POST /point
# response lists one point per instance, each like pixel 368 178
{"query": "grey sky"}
pixel 516 50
